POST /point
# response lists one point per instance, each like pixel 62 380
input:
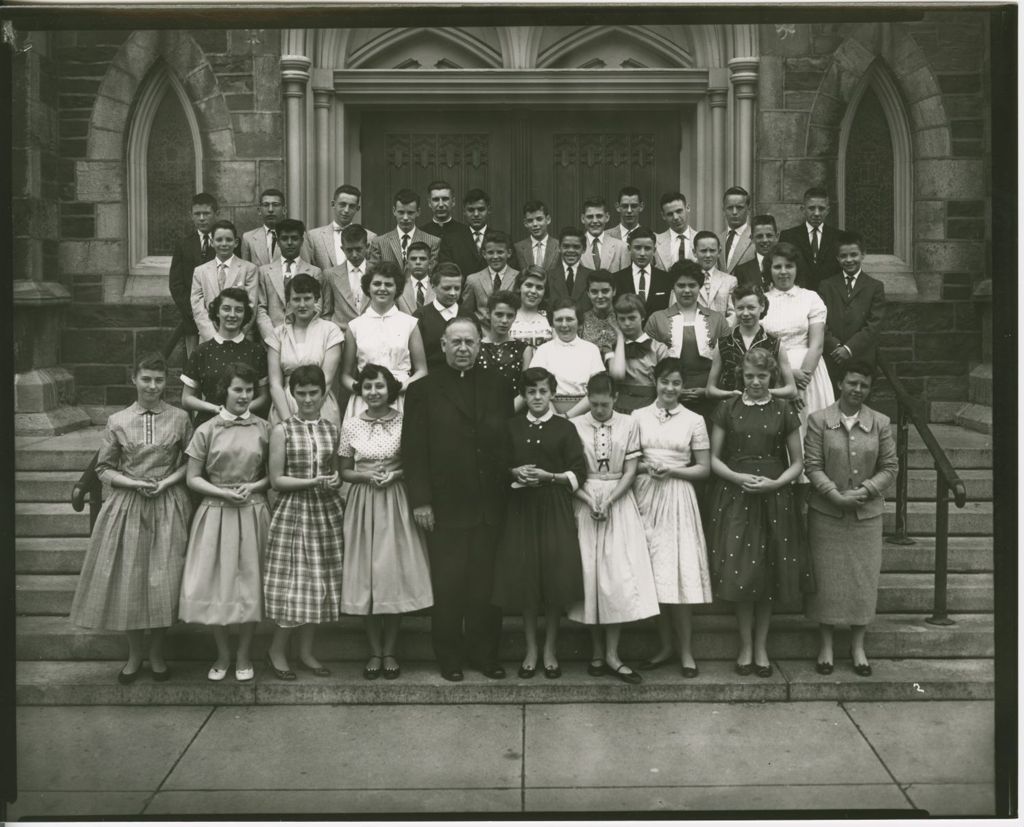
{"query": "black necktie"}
pixel 814 244
pixel 849 286
pixel 206 246
pixel 273 242
pixel 419 294
pixel 728 244
pixel 496 284
pixel 569 279
pixel 405 246
pixel 643 284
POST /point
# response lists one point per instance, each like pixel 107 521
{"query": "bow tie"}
pixel 634 350
pixel 230 423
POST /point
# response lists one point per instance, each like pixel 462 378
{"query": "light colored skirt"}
pixel 817 395
pixel 847 559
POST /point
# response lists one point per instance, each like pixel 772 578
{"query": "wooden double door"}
pixel 558 156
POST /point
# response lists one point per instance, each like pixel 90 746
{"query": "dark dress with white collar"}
pixel 538 562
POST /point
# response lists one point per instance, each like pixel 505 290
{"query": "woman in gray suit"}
pixel 850 459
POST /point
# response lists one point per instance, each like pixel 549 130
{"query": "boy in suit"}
pixel 652 285
pixel 765 233
pixel 394 246
pixel 603 251
pixel 434 317
pixel 856 307
pixel 735 242
pixel 225 269
pixel 815 240
pixel 325 242
pixel 464 244
pixel 343 297
pixel 497 276
pixel 271 306
pixel 677 241
pixel 629 206
pixel 418 291
pixel 194 249
pixel 567 279
pixel 260 245
pixel 539 248
pixel 716 292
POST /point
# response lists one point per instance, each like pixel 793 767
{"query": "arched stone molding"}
pixel 371 55
pixel 520 46
pixel 648 40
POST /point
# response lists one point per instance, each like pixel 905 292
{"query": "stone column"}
pixel 294 77
pixel 743 74
pixel 718 97
pixel 324 178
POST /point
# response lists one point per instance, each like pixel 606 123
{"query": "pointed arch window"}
pixel 164 170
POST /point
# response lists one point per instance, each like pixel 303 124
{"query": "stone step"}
pixel 44 486
pixel 921 485
pixel 792 636
pixel 979 384
pixel 973 519
pixel 50 520
pixel 49 555
pixel 975 417
pixel 94 683
pixel 965 449
pixel 69 452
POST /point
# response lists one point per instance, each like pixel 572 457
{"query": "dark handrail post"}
pixel 899 536
pixel 940 616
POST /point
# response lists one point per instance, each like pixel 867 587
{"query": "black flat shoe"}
pixel 127 678
pixel 763 671
pixel 453 675
pixel 862 669
pixel 160 677
pixel 494 671
pixel 823 668
pixel 690 671
pixel 596 668
pixel 648 665
pixel 392 672
pixel 280 674
pixel 371 673
pixel 318 671
pixel 628 676
pixel 552 671
pixel 744 669
pixel 526 672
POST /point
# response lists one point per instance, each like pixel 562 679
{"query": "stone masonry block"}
pixel 99 181
pixel 267 82
pixel 235 84
pixel 221 144
pixel 822 142
pixel 932 143
pixel 258 134
pixel 951 179
pixel 107 347
pixel 800 101
pixel 111 316
pixel 964 106
pixel 92 257
pixel 802 81
pixel 105 144
pixel 110 114
pixel 233 182
pixel 230 64
pixel 950 256
pixel 769 181
pixel 827 111
pixel 797 176
pixel 138 54
pixel 919 85
pixel 782 133
pixel 953 388
pixel 795 42
pixel 902 317
pixel 110 221
pixel 906 56
pixel 271 175
pixel 201 83
pixel 120 85
pixel 928 113
pixel 969 316
pixel 214 113
pixel 854 56
pixel 930 220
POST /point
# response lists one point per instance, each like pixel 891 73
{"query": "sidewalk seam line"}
pixel 899 786
pixel 522 764
pixel 191 741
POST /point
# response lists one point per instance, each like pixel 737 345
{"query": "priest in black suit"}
pixel 447 283
pixel 192 250
pixel 642 278
pixel 456 471
pixel 816 241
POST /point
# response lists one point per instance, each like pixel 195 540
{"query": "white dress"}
pixel 321 334
pixel 669 508
pixel 618 583
pixel 382 340
pixel 534 331
pixel 790 315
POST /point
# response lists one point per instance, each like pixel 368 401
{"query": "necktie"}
pixel 849 286
pixel 814 244
pixel 496 284
pixel 273 242
pixel 728 244
pixel 222 272
pixel 682 248
pixel 595 251
pixel 642 292
pixel 538 253
pixel 477 236
pixel 419 294
pixel 569 281
pixel 287 270
pixel 206 245
pixel 405 246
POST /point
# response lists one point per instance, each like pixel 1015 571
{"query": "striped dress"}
pixel 302 580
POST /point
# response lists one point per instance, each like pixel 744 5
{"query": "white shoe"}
pixel 216 674
pixel 246 674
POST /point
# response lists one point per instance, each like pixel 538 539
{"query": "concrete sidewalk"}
pixel 92 761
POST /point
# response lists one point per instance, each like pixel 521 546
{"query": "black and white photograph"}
pixel 510 411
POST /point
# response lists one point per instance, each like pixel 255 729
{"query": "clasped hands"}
pixel 851 498
pixel 530 475
pixel 756 484
pixel 151 488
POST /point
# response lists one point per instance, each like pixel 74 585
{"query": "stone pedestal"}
pixel 44 392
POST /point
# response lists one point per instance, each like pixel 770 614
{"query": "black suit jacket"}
pixel 749 273
pixel 432 326
pixel 659 291
pixel 558 289
pixel 854 320
pixel 457 246
pixel 812 273
pixel 188 254
pixel 455 459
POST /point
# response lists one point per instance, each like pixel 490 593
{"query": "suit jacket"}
pixel 522 252
pixel 254 248
pixel 205 288
pixel 813 273
pixel 558 289
pixel 188 254
pixel 614 254
pixel 270 303
pixel 455 456
pixel 742 249
pixel 616 232
pixel 659 290
pixel 854 320
pixel 665 253
pixel 407 301
pixel 432 326
pixel 716 294
pixel 340 304
pixel 749 272
pixel 388 247
pixel 321 241
pixel 479 287
pixel 457 246
pixel 831 463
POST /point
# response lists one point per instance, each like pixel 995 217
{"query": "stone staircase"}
pixel 59 664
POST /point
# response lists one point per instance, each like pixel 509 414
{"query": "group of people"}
pixel 423 424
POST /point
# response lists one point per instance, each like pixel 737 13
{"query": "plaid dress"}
pixel 302 580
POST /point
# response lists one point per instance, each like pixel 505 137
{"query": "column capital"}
pixel 322 98
pixel 743 74
pixel 295 75
pixel 717 98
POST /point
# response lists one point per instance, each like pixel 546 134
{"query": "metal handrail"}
pixel 946 480
pixel 89 485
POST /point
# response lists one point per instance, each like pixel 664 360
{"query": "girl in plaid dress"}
pixel 131 577
pixel 302 583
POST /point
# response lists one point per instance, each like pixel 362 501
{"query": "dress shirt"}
pixel 647 280
pixel 222 270
pixel 339 254
pixel 539 250
pixel 271 236
pixel 483 232
pixel 425 284
pixel 446 313
pixel 624 233
pixel 687 250
pixel 851 281
pixel 355 278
